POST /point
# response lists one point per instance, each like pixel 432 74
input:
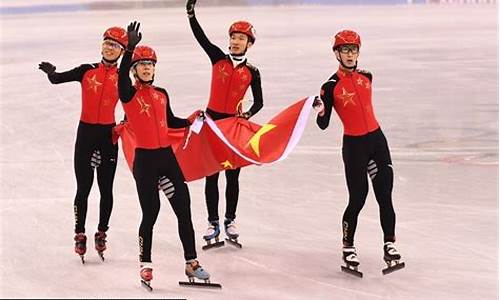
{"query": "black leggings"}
pixel 364 156
pixel 232 193
pixel 149 166
pixel 91 138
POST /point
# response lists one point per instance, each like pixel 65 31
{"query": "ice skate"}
pixel 351 261
pixel 232 233
pixel 212 236
pixel 100 243
pixel 81 245
pixel 146 273
pixel 195 271
pixel 391 258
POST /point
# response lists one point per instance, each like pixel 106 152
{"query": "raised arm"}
pixel 214 53
pixel 125 88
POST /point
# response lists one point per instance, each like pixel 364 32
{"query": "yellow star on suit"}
pixel 93 83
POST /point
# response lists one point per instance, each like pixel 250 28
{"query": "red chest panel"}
pixel 229 86
pixel 99 95
pixel 147 114
pixel 352 98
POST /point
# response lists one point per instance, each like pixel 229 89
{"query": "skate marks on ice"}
pixel 309 279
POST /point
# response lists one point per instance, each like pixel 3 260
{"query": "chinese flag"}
pixel 230 143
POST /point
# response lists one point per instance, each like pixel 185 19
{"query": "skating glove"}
pixel 134 36
pixel 190 7
pixel 245 115
pixel 318 105
pixel 47 67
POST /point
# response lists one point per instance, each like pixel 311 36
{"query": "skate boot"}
pixel 100 243
pixel 194 271
pixel 81 245
pixel 391 258
pixel 351 261
pixel 212 233
pixel 146 273
pixel 232 233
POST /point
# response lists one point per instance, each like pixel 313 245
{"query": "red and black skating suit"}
pixel 149 114
pixel 365 151
pixel 228 87
pixel 99 84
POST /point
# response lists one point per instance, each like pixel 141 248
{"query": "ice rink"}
pixel 435 95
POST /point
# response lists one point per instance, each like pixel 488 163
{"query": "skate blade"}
pixel 101 255
pixel 234 242
pixel 83 259
pixel 394 268
pixel 351 271
pixel 147 285
pixel 211 245
pixel 200 284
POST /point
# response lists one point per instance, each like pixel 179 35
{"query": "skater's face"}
pixel 348 54
pixel 239 43
pixel 111 50
pixel 145 70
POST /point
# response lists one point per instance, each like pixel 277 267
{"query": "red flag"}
pixel 231 143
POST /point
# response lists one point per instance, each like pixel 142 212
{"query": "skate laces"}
pixel 100 236
pixel 193 265
pixel 390 248
pixel 146 271
pixel 80 238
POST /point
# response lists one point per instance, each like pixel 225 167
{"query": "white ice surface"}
pixel 435 94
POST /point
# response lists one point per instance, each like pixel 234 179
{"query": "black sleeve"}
pixel 75 74
pixel 327 98
pixel 172 120
pixel 125 89
pixel 214 52
pixel 256 84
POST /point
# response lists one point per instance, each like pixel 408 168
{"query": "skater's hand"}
pixel 47 67
pixel 245 115
pixel 190 7
pixel 201 115
pixel 134 36
pixel 318 105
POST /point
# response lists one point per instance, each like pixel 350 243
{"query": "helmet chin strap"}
pixel 346 67
pixel 110 61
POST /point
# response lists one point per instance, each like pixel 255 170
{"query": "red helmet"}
pixel 116 34
pixel 243 27
pixel 346 37
pixel 143 53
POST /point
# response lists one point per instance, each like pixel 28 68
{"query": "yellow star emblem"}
pixel 255 140
pixel 359 81
pixel 240 70
pixel 93 83
pixel 367 85
pixel 347 97
pixel 144 106
pixel 226 164
pixel 114 78
pixel 223 74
